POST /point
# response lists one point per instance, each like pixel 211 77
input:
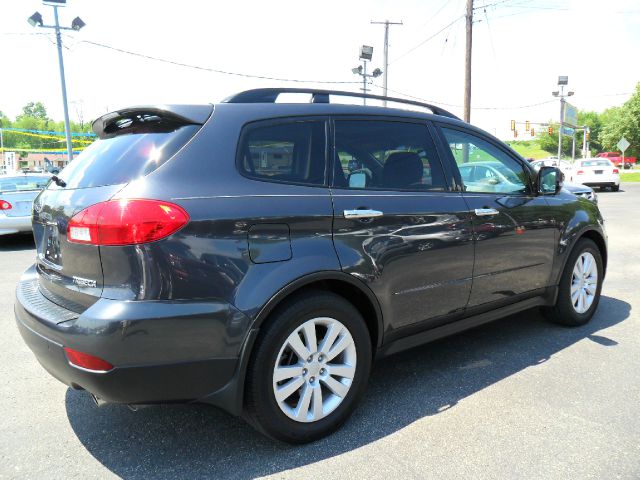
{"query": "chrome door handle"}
pixel 483 212
pixel 362 213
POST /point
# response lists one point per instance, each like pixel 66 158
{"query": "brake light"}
pixel 615 170
pixel 126 222
pixel 89 362
pixel 4 205
pixel 580 172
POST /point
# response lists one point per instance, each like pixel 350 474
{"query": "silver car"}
pixel 17 193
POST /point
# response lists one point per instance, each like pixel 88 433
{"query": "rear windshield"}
pixel 22 184
pixel 125 157
pixel 596 163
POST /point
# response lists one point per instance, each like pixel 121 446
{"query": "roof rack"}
pixel 270 95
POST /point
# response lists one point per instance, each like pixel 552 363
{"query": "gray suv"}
pixel 258 256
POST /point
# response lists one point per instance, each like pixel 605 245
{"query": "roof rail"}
pixel 270 95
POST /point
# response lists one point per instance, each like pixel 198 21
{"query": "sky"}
pixel 520 47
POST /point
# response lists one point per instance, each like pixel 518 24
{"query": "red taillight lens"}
pixel 615 170
pixel 580 172
pixel 84 360
pixel 126 222
pixel 4 205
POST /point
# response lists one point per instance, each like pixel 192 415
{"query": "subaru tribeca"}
pixel 258 256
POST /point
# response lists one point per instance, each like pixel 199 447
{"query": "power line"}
pixel 426 40
pixel 207 69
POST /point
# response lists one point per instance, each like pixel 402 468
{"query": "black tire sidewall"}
pixel 261 404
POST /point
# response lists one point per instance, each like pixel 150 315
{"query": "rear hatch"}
pixel 132 143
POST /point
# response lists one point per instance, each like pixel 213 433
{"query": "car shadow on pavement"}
pixel 17 242
pixel 195 441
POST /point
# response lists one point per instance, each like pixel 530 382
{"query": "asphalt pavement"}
pixel 519 398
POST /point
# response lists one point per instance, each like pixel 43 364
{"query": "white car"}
pixel 17 193
pixel 597 172
pixel 565 167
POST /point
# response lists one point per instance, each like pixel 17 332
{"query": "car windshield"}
pixel 596 163
pixel 21 184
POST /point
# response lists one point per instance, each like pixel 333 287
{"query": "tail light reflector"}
pixel 86 361
pixel 4 205
pixel 615 170
pixel 580 172
pixel 126 222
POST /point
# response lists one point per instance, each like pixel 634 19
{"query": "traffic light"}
pixel 533 132
pixel 515 134
pixel 527 126
pixel 550 130
pixel 588 134
pixel 513 125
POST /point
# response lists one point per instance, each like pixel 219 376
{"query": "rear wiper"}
pixel 58 181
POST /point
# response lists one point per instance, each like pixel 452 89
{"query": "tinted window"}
pixel 22 184
pixel 125 157
pixel 292 152
pixel 374 154
pixel 484 167
pixel 596 163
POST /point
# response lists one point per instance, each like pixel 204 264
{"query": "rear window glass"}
pixel 22 184
pixel 125 157
pixel 291 152
pixel 596 163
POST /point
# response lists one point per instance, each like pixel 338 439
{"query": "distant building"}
pixel 33 161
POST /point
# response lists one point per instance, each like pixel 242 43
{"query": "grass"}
pixel 630 177
pixel 529 149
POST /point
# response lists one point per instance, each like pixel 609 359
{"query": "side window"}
pixel 483 167
pixel 290 152
pixel 386 155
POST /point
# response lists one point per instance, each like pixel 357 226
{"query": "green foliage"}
pixel 623 122
pixel 34 110
pixel 528 148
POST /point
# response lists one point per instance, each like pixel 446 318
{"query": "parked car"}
pixel 616 159
pixel 579 190
pixel 17 193
pixel 565 167
pixel 598 172
pixel 227 254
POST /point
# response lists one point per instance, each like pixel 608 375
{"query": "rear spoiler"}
pixel 150 118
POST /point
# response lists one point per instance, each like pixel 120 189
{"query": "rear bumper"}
pixel 177 357
pixel 14 224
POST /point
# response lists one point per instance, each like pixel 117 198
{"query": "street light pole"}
pixel 67 128
pixel 561 123
pixel 386 24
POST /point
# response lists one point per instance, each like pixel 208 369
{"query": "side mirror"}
pixel 358 180
pixel 550 181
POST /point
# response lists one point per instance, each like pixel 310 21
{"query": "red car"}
pixel 616 159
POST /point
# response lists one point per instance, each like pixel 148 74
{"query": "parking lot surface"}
pixel 519 398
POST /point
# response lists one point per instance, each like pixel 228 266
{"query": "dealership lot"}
pixel 517 398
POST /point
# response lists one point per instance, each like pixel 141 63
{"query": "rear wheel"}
pixel 580 286
pixel 615 188
pixel 309 368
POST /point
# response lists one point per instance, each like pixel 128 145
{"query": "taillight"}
pixel 126 222
pixel 86 361
pixel 4 205
pixel 615 170
pixel 580 172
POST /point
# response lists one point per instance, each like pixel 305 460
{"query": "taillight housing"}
pixel 4 205
pixel 580 172
pixel 86 361
pixel 126 222
pixel 615 170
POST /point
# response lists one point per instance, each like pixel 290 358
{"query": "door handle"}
pixel 484 212
pixel 362 213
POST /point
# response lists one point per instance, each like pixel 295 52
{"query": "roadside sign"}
pixel 567 131
pixel 623 144
pixel 570 115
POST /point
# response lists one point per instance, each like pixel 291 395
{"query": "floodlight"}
pixel 563 80
pixel 77 24
pixel 569 93
pixel 35 19
pixel 377 72
pixel 366 52
pixel 357 70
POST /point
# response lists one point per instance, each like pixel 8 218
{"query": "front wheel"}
pixel 309 368
pixel 580 286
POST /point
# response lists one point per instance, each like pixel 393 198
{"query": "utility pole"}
pixel 467 62
pixel 386 24
pixel 76 24
pixel 563 81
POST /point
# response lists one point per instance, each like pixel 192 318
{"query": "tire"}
pixel 615 188
pixel 319 401
pixel 566 311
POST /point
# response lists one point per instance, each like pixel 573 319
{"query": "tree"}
pixel 34 110
pixel 623 122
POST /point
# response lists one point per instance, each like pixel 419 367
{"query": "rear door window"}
pixel 126 156
pixel 290 151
